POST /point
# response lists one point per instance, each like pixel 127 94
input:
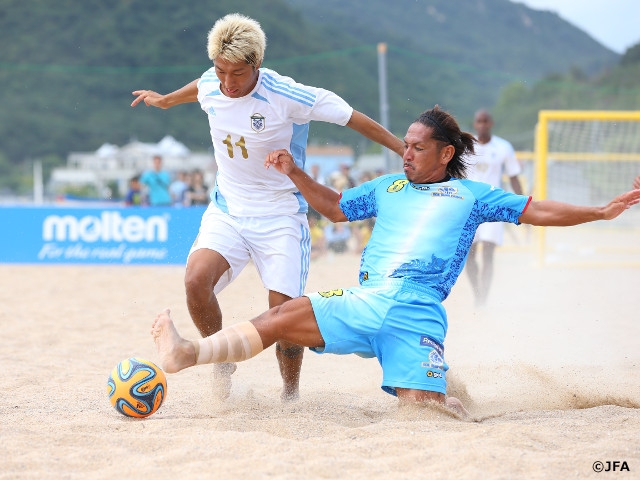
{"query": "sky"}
pixel 613 23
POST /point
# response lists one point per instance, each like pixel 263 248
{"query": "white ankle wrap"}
pixel 232 344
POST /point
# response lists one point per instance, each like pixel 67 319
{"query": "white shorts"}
pixel 492 232
pixel 279 247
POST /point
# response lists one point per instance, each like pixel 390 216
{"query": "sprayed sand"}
pixel 550 372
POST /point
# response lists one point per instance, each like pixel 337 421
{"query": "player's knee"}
pixel 192 284
pixel 197 282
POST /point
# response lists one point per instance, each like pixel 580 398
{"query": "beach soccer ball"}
pixel 137 387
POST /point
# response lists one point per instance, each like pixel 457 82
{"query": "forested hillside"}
pixel 615 88
pixel 68 68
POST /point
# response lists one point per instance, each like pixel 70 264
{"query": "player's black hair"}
pixel 445 128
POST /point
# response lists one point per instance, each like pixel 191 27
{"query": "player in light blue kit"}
pixel 425 224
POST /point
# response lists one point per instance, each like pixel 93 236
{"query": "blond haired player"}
pixel 255 214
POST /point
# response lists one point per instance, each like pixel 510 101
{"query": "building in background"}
pixel 107 171
pixel 111 166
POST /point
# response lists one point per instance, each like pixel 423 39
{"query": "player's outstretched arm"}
pixel 186 94
pixel 549 213
pixel 376 132
pixel 323 199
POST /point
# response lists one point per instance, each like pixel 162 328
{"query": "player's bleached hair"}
pixel 237 38
pixel 444 128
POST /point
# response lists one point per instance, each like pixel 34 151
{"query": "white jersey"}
pixel 491 160
pixel 276 114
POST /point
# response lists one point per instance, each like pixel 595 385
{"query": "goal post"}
pixel 587 157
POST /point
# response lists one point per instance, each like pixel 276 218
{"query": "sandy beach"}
pixel 550 371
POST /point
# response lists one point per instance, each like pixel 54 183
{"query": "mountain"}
pixel 462 54
pixel 68 68
pixel 505 38
pixel 615 88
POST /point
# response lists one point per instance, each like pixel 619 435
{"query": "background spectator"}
pixel 178 188
pixel 337 235
pixel 134 195
pixel 157 182
pixel 198 192
pixel 314 172
pixel 316 229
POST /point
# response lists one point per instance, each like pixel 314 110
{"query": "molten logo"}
pixel 108 227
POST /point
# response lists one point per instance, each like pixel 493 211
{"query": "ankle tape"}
pixel 232 344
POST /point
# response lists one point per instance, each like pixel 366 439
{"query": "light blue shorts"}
pixel 401 325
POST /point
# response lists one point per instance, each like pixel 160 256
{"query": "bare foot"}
pixel 290 362
pixel 290 393
pixel 454 404
pixel 175 352
pixel 222 379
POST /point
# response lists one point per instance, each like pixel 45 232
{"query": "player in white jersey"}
pixel 494 157
pixel 425 222
pixel 255 214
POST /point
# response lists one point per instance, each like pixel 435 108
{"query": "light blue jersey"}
pixel 417 250
pixel 423 233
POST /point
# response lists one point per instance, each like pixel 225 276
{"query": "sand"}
pixel 549 370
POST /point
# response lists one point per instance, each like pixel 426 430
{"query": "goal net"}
pixel 587 158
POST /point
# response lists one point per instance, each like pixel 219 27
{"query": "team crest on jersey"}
pixel 451 192
pixel 258 122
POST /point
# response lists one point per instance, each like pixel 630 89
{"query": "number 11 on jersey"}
pixel 240 143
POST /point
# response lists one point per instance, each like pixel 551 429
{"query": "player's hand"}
pixel 621 203
pixel 281 160
pixel 149 97
pixel 636 182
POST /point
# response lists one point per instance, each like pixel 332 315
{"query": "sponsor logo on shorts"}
pixel 258 122
pixel 427 341
pixel 435 359
pixel 450 192
pixel 432 374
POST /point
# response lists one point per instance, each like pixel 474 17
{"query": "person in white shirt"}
pixel 179 187
pixel 316 174
pixel 255 214
pixel 494 157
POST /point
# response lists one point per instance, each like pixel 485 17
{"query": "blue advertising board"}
pixel 110 235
